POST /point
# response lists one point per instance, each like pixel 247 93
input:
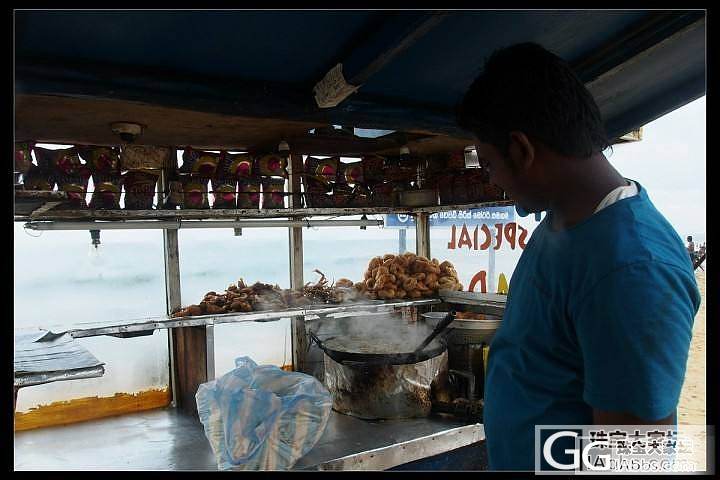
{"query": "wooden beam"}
pixel 299 339
pixel 394 36
pixel 190 354
pixel 648 32
pixel 233 97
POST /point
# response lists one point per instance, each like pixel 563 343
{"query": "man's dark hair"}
pixel 529 89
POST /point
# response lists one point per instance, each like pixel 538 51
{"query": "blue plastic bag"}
pixel 261 417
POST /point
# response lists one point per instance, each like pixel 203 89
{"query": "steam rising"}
pixel 372 333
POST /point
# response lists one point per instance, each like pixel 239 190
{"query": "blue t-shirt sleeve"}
pixel 634 329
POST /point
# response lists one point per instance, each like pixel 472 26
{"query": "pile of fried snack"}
pixel 388 277
pixel 262 296
pixel 407 276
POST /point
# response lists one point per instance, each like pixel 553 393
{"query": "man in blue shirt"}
pixel 600 308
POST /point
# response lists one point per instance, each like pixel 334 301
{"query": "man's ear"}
pixel 520 151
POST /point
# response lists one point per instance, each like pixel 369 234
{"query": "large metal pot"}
pixel 379 376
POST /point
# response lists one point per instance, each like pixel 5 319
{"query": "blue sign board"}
pixel 476 216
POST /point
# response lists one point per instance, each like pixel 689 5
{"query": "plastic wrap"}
pixel 384 391
pixel 261 417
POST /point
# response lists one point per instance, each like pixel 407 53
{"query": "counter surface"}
pixel 166 439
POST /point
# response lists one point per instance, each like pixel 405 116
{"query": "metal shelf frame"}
pixel 106 215
pixel 150 324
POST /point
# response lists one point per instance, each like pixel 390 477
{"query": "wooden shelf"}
pixel 108 215
pixel 130 328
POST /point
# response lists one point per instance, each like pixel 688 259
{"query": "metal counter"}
pixel 166 439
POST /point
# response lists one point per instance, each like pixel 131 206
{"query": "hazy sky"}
pixel 670 163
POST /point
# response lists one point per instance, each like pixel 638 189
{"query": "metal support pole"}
pixel 422 234
pixel 171 261
pixel 189 346
pixel 299 343
pixel 402 241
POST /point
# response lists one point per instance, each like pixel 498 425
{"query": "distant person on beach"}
pixel 691 247
pixel 601 305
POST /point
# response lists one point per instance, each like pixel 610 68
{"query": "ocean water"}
pixel 61 280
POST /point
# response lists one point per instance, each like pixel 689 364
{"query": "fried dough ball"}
pixel 432 268
pixel 396 268
pixel 371 295
pixel 419 276
pixel 422 287
pixel 344 282
pixel 409 257
pixel 409 284
pixel 414 294
pixel 400 293
pixel 431 278
pixel 375 262
pixel 388 256
pixel 360 286
pixel 368 274
pixel 194 310
pixel 435 261
pixel 386 294
pixel 370 283
pixel 381 271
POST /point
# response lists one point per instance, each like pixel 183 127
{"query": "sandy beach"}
pixel 691 410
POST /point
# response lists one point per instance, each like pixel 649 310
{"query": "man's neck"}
pixel 581 185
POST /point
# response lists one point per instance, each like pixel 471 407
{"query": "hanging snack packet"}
pixel 382 195
pixel 352 172
pixel 248 193
pixel 461 189
pixel 373 168
pixel 195 194
pixel 174 195
pixel 237 166
pixel 272 165
pixel 58 163
pixel 224 193
pixel 139 189
pixel 341 195
pixel 23 157
pixel 106 195
pixel 104 164
pixel 322 167
pixel 360 196
pixel 474 182
pixel 143 157
pixel 317 190
pixel 37 179
pixel 200 163
pixel 75 185
pixel 273 193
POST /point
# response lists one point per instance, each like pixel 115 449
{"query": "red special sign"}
pixel 481 236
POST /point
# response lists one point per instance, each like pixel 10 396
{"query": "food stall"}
pixel 286 137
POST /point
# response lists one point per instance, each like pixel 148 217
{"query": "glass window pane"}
pixel 61 280
pixel 212 259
